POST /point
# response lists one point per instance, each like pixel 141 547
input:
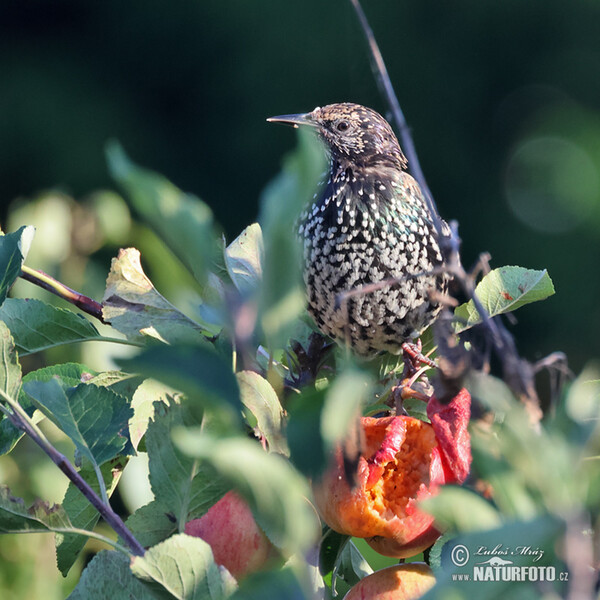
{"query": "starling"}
pixel 368 223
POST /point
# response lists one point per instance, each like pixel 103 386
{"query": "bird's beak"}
pixel 294 120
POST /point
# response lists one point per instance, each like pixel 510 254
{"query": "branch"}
pixel 517 373
pixel 21 420
pixel 43 280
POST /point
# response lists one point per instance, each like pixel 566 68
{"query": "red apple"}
pixel 400 582
pixel 404 461
pixel 236 540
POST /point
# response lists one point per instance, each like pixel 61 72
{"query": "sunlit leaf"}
pixel 244 258
pixel 503 290
pixel 184 566
pixel 259 397
pixel 132 305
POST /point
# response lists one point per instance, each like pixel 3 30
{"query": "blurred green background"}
pixel 503 100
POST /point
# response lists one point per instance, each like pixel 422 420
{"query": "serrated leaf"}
pixel 108 576
pixel 81 513
pixel 15 517
pixel 275 491
pixel 182 221
pixel 259 397
pixel 95 418
pixel 282 293
pixel 152 523
pixel 132 305
pixel 244 258
pixel 504 290
pixel 13 251
pixel 186 488
pixel 184 567
pixel 196 371
pixel 37 326
pixel 71 374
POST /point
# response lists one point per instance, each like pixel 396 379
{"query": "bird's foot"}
pixel 402 392
pixel 414 359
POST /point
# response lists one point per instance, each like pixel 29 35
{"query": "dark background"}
pixel 503 99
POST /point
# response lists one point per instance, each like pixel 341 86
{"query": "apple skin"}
pixel 403 461
pixel 236 540
pixel 400 582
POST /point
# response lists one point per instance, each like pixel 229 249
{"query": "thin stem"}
pixel 45 281
pixel 79 531
pixel 387 91
pixel 515 369
pixel 22 421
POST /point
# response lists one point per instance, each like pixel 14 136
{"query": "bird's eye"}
pixel 342 125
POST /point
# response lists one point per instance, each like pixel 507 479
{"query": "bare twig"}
pixel 517 372
pixel 21 420
pixel 45 281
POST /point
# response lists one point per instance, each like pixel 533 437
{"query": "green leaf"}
pixel 244 258
pixel 132 305
pixel 152 523
pixel 196 371
pixel 143 402
pixel 503 290
pixel 37 326
pixel 351 566
pixel 13 251
pixel 180 483
pixel 10 384
pixel 108 576
pixel 259 397
pixel 276 493
pixel 81 513
pixel 272 585
pixel 282 294
pixel 181 220
pixel 320 419
pixel 343 401
pixel 10 370
pixel 461 509
pixel 184 567
pixel 15 517
pixel 93 417
pixel 71 374
pixel 331 547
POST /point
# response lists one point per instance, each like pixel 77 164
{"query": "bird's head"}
pixel 351 132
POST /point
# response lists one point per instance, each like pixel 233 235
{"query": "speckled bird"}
pixel 368 222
